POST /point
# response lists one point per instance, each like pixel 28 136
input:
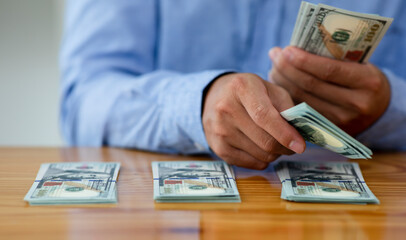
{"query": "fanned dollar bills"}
pixel 319 130
pixel 194 181
pixel 323 182
pixel 74 183
pixel 337 33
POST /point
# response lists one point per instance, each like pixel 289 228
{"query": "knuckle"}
pixel 281 64
pixel 222 107
pixel 374 84
pixel 238 83
pixel 300 60
pixel 220 131
pixel 268 144
pixel 330 70
pixel 343 119
pixel 309 83
pixel 360 106
pixel 260 113
pixel 207 123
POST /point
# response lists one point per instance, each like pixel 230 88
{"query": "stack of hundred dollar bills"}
pixel 194 181
pixel 74 183
pixel 340 182
pixel 320 131
pixel 337 33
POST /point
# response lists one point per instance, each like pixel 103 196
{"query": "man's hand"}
pixel 242 123
pixel 352 95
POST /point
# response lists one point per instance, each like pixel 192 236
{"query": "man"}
pixel 189 77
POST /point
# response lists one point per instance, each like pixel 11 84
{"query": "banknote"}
pixel 318 130
pixel 74 183
pixel 307 181
pixel 305 14
pixel 194 181
pixel 337 33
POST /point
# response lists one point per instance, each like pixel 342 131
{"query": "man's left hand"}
pixel 350 94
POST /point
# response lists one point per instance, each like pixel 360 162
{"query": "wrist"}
pixel 207 88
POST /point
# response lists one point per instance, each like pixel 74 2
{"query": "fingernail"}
pixel 274 53
pixel 296 147
pixel 288 53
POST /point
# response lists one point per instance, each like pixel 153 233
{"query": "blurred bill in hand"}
pixel 194 181
pixel 337 33
pixel 74 183
pixel 318 130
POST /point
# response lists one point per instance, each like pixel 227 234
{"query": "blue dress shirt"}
pixel 133 71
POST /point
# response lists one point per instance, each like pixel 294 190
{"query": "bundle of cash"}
pixel 74 183
pixel 194 181
pixel 319 130
pixel 337 33
pixel 323 182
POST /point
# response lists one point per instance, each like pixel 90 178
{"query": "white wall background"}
pixel 30 33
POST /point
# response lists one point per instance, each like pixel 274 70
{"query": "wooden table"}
pixel 260 215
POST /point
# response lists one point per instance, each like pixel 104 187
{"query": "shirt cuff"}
pixel 183 105
pixel 389 132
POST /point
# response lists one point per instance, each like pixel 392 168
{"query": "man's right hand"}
pixel 242 123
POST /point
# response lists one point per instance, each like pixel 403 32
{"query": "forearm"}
pixel 113 92
pixel 163 115
pixel 159 111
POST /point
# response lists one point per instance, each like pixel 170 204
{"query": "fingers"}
pixel 254 139
pixel 303 82
pixel 331 70
pixel 230 144
pixel 259 107
pixel 242 133
pixel 333 112
pixel 352 95
pixel 242 123
pixel 258 137
pixel 242 142
pixel 237 156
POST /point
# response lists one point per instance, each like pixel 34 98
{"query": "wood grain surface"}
pixel 260 215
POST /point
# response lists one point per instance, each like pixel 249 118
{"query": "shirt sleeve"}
pixel 389 132
pixel 112 93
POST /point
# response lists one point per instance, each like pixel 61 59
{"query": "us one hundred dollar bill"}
pixel 337 33
pixel 194 181
pixel 318 130
pixel 340 182
pixel 74 183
